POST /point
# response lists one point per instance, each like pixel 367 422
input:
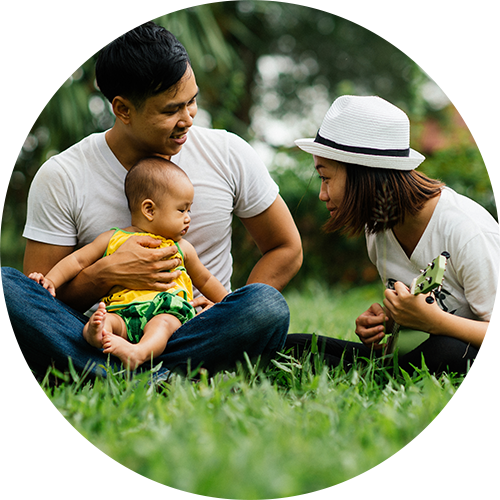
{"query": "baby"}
pixel 135 325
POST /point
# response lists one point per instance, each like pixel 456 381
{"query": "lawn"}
pixel 252 433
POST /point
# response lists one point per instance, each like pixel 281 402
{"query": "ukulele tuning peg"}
pixel 429 299
pixel 445 254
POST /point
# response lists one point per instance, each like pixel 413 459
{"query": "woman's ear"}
pixel 122 109
pixel 148 209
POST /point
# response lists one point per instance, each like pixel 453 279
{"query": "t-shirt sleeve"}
pixel 255 190
pixel 49 211
pixel 478 271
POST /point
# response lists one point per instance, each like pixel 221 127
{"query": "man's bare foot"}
pixel 129 354
pixel 92 331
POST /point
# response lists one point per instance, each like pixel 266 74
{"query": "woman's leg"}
pixel 441 354
pixel 333 351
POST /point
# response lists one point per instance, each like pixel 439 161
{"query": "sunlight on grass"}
pixel 291 429
pixel 330 312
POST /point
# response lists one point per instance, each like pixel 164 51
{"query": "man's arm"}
pixel 278 238
pixel 131 266
pixel 42 257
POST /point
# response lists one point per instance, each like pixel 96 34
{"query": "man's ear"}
pixel 148 209
pixel 122 109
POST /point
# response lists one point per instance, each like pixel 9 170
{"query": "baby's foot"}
pixel 129 354
pixel 92 331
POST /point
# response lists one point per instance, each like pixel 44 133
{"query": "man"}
pixel 147 77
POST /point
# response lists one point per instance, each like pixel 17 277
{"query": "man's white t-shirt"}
pixel 78 194
pixel 470 235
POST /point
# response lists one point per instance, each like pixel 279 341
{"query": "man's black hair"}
pixel 141 63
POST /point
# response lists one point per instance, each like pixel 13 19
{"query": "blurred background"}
pixel 269 71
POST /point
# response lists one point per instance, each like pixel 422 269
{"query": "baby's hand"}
pixel 203 302
pixel 45 282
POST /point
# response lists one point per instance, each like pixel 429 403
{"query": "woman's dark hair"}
pixel 141 63
pixel 377 199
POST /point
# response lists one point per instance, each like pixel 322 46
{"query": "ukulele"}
pixel 429 280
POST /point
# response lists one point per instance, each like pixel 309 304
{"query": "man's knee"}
pixel 11 276
pixel 265 304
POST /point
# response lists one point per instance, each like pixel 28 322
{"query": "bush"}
pixel 471 171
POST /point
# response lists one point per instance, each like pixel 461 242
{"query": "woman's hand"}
pixel 370 326
pixel 411 311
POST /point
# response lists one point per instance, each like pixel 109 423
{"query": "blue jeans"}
pixel 253 319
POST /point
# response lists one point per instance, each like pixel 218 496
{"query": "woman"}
pixel 369 184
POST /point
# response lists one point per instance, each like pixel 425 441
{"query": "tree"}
pixel 315 55
pixel 316 49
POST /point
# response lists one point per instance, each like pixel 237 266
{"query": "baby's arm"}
pixel 44 281
pixel 201 277
pixel 66 269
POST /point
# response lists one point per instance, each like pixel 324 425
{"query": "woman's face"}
pixel 333 181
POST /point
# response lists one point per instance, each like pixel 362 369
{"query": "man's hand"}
pixel 370 326
pixel 140 265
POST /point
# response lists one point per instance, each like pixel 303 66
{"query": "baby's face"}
pixel 172 214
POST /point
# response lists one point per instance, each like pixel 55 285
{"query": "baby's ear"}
pixel 148 208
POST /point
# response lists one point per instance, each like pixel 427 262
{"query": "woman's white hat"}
pixel 365 130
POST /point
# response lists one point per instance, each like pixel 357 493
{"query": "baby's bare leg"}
pixel 102 321
pixel 153 342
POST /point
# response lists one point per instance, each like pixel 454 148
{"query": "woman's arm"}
pixel 412 311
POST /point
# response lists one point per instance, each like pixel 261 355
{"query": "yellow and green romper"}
pixel 137 307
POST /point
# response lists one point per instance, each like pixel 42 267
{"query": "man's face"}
pixel 161 124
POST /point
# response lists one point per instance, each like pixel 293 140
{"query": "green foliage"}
pixel 471 171
pixel 315 57
pixel 319 53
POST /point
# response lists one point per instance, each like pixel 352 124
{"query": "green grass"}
pixel 284 431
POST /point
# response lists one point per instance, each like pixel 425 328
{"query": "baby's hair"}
pixel 150 177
